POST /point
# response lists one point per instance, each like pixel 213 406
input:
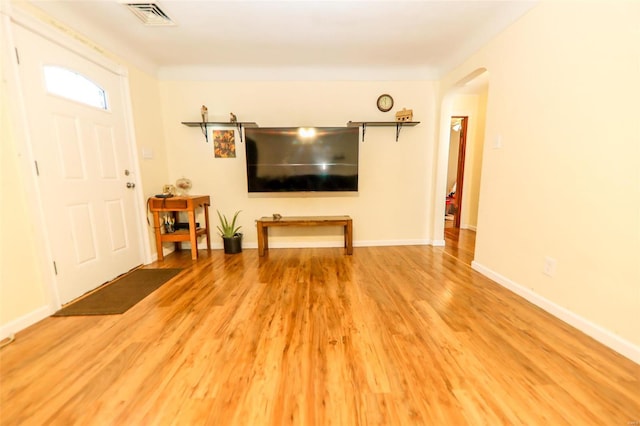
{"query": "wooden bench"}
pixel 265 222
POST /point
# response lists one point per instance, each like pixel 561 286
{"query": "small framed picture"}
pixel 224 143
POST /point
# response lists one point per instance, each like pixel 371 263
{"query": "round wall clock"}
pixel 385 102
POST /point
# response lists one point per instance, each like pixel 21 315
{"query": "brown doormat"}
pixel 121 294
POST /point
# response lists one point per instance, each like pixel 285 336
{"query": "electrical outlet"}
pixel 550 266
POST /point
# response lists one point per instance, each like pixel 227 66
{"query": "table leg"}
pixel 192 234
pixel 206 224
pixel 177 246
pixel 156 227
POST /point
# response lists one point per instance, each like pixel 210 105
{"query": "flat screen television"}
pixel 296 159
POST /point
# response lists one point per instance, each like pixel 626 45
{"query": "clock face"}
pixel 385 102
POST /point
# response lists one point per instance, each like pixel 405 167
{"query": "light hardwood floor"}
pixel 460 243
pixel 388 336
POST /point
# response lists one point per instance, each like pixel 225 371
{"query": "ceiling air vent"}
pixel 150 14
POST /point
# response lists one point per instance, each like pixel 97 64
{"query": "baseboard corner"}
pixel 20 323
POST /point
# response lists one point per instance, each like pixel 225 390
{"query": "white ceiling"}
pixel 356 39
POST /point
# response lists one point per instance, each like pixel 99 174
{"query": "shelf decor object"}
pixel 405 115
pixel 398 125
pixel 183 186
pixel 204 126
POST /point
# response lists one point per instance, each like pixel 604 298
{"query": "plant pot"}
pixel 233 244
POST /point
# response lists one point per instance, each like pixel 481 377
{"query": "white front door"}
pixel 78 135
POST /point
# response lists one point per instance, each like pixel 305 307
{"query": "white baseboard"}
pixel 438 243
pixel 324 244
pixel 469 227
pixel 602 335
pixel 386 243
pixel 25 321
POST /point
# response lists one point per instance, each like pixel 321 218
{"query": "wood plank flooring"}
pixel 389 336
pixel 460 243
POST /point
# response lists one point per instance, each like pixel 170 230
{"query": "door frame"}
pixel 19 120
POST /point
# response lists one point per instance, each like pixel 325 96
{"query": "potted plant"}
pixel 231 238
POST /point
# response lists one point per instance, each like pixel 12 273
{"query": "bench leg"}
pixel 263 238
pixel 348 237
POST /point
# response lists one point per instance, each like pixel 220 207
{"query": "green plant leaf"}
pixel 225 228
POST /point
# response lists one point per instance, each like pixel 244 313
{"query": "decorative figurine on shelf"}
pixel 204 113
pixel 183 185
pixel 232 118
pixel 404 115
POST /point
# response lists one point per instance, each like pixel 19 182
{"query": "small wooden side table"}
pixel 181 204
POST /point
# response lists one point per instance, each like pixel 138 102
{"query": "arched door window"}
pixel 76 87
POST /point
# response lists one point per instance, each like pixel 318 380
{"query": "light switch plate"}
pixel 497 142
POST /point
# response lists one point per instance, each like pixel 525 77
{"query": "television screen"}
pixel 296 159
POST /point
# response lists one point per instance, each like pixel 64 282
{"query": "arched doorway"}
pixel 460 163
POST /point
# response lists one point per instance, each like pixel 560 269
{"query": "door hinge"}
pixel 37 169
pixel 55 267
pixel 17 56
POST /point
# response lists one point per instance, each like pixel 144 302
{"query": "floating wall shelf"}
pixel 397 124
pixel 204 126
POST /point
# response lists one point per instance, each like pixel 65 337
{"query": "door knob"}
pixel 131 185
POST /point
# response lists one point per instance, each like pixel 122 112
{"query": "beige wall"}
pixel 152 152
pixel 21 289
pixel 452 167
pixel 392 203
pixel 563 96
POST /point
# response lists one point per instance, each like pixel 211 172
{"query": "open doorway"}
pixel 455 171
pixel 459 243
